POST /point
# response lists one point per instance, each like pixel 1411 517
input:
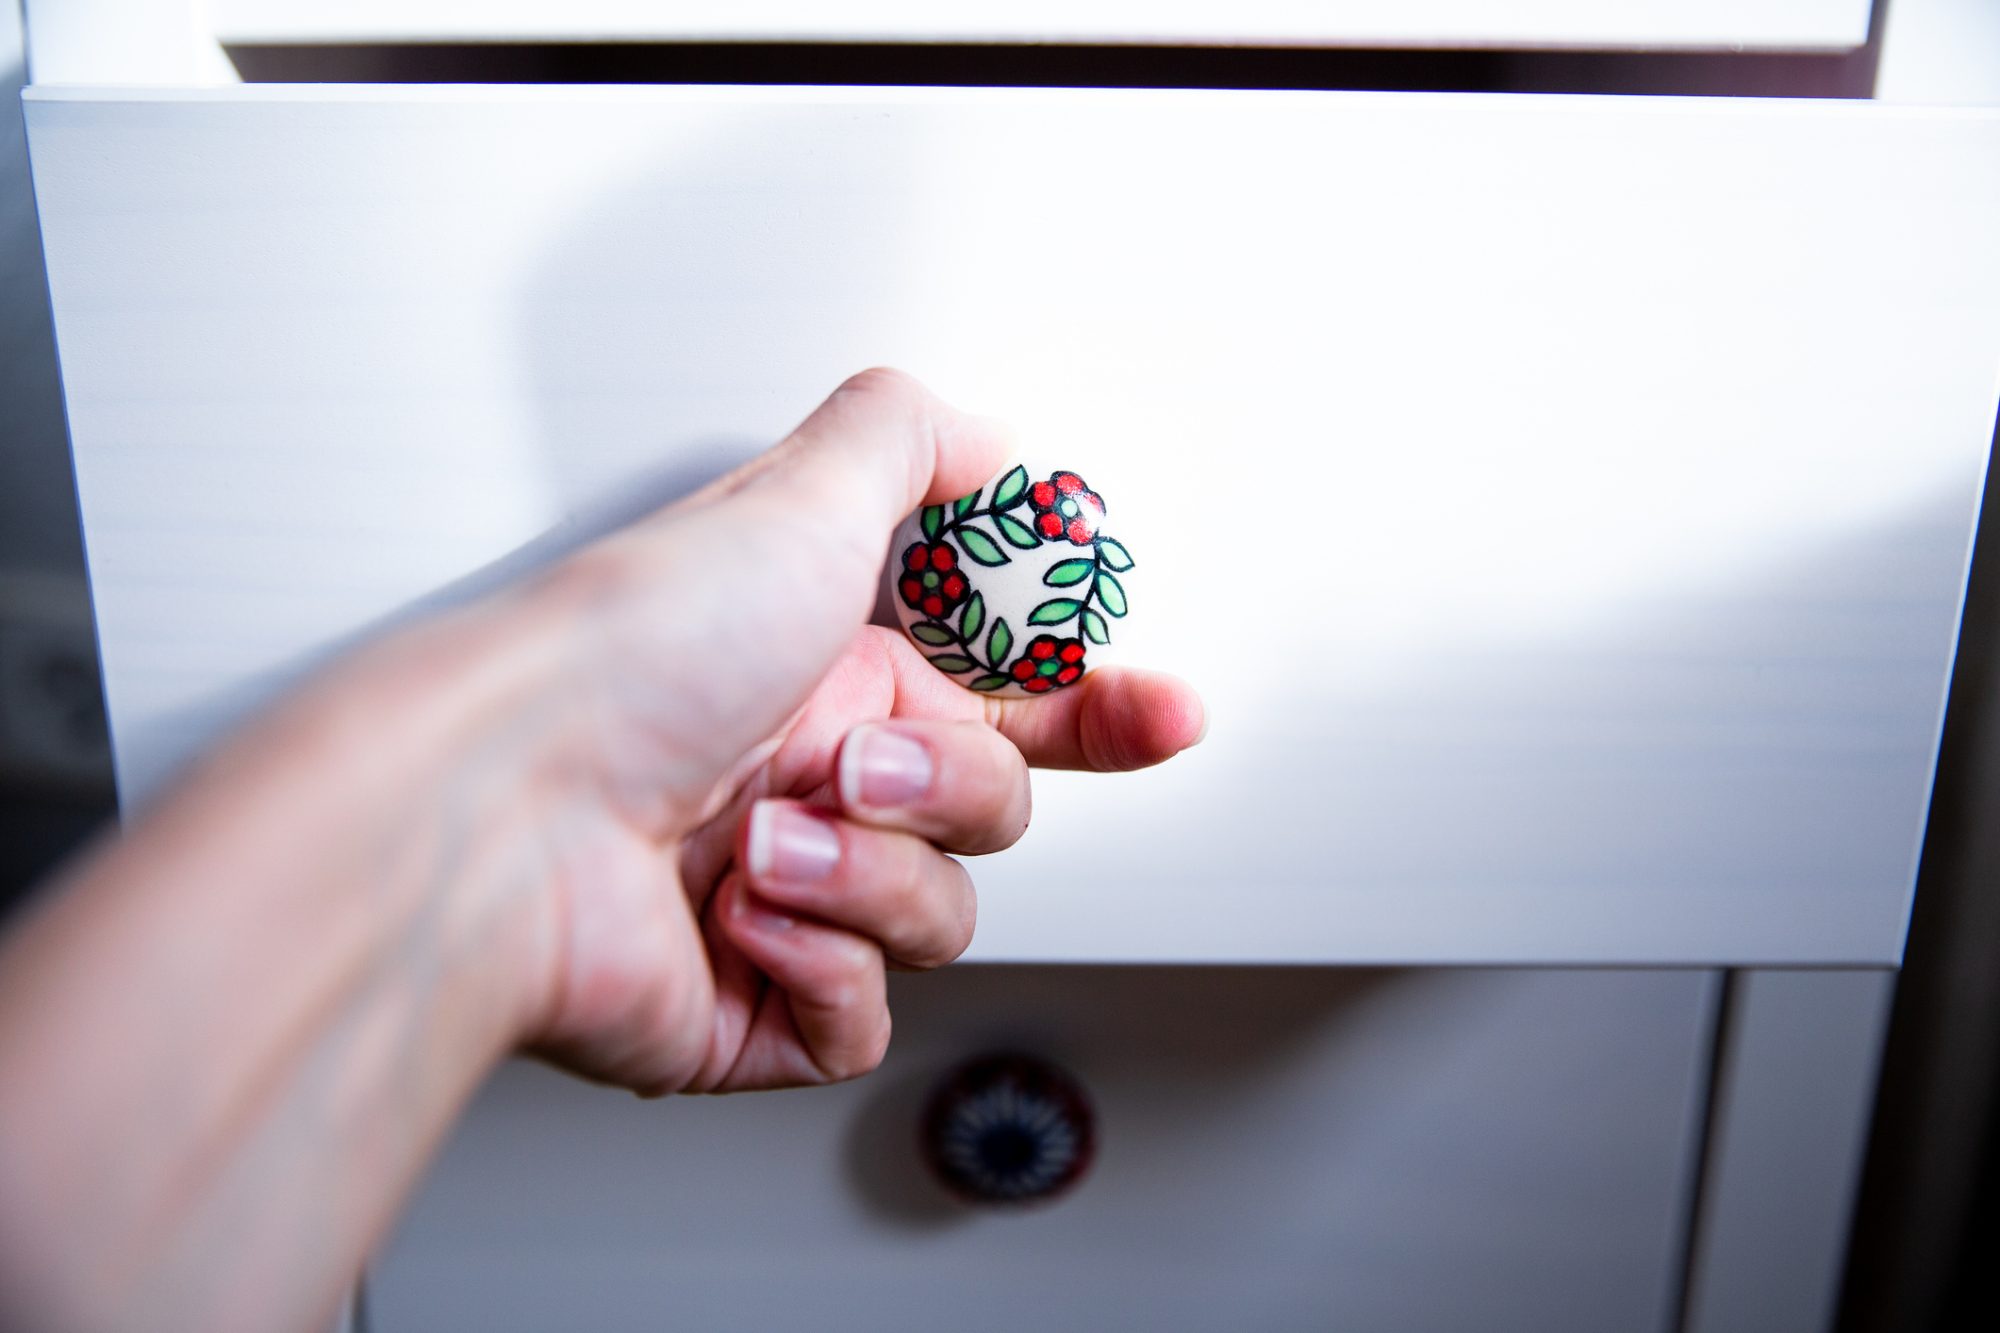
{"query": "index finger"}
pixel 1117 718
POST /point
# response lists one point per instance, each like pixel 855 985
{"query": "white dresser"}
pixel 1563 502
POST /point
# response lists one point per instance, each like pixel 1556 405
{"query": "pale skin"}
pixel 663 816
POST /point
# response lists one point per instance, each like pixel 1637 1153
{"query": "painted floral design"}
pixel 932 582
pixel 1066 508
pixel 1016 515
pixel 1048 663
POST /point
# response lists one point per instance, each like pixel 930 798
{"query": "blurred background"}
pixel 55 762
pixel 1929 1209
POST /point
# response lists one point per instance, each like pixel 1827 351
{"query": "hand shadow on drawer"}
pixel 655 325
pixel 637 494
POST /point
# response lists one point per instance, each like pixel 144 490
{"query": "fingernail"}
pixel 759 917
pixel 788 844
pixel 883 768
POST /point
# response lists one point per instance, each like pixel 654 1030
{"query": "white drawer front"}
pixel 1279 1150
pixel 1788 24
pixel 1582 488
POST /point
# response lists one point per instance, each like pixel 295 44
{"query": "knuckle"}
pixel 878 1050
pixel 842 978
pixel 897 402
pixel 1019 799
pixel 967 923
pixel 863 1055
pixel 885 381
pixel 947 923
pixel 1007 791
pixel 836 996
pixel 868 1055
pixel 906 888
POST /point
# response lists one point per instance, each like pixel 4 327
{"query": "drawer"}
pixel 1564 503
pixel 1733 25
pixel 1277 1149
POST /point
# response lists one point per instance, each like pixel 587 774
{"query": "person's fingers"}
pixel 833 980
pixel 878 447
pixel 828 496
pixel 1115 719
pixel 896 889
pixel 711 621
pixel 961 785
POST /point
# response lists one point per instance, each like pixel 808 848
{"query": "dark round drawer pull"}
pixel 1009 1129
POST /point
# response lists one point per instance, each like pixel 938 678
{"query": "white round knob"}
pixel 1015 589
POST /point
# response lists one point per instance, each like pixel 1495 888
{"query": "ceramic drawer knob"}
pixel 1016 589
pixel 1009 1129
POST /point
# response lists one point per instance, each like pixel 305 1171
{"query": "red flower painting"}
pixel 1048 663
pixel 932 581
pixel 1066 508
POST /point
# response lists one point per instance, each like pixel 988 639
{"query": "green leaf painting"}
pixel 971 643
pixel 1016 532
pixel 981 547
pixel 1010 488
pixel 1068 572
pixel 998 642
pixel 1110 593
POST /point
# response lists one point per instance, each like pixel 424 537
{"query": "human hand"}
pixel 581 818
pixel 756 791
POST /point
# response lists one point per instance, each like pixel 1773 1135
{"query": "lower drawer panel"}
pixel 1279 1149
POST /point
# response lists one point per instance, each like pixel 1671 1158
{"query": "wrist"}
pixel 312 949
pixel 420 770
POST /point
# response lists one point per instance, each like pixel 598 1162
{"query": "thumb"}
pixel 878 447
pixel 744 594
